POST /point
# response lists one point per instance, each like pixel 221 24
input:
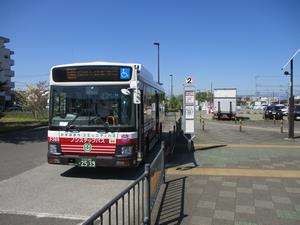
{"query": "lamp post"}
pixel 157 44
pixel 171 75
pixel 291 96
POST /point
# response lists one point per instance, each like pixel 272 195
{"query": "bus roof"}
pixel 96 63
pixel 143 74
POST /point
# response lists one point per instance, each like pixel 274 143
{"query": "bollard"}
pixel 281 126
pixel 147 209
pixel 240 125
pixel 274 121
pixel 235 120
pixel 202 124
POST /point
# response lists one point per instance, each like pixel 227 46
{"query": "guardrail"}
pixel 135 203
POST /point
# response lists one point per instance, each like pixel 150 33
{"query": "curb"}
pixel 24 128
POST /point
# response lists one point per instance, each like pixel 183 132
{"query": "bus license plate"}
pixel 86 163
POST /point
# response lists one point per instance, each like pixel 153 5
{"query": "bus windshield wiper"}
pixel 70 124
pixel 105 124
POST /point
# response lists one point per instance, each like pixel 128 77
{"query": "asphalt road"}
pixel 34 192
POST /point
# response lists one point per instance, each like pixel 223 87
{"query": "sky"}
pixel 239 44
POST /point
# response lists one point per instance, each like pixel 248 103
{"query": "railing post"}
pixel 163 163
pixel 174 136
pixel 147 218
pixel 240 125
pixel 170 139
pixel 160 131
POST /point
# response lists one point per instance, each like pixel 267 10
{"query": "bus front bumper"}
pixel 100 161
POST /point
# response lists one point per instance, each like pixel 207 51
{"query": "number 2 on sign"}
pixel 189 80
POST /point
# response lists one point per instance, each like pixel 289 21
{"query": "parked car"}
pixel 15 108
pixel 283 108
pixel 272 112
pixel 297 112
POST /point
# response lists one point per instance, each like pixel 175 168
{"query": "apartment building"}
pixel 6 74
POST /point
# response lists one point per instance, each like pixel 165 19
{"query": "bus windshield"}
pixel 91 107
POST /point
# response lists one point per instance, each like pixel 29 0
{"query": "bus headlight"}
pixel 54 149
pixel 126 150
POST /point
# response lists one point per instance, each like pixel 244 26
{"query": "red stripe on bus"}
pixel 90 153
pixel 93 150
pixel 93 146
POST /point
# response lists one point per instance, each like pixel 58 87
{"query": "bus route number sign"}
pixel 188 80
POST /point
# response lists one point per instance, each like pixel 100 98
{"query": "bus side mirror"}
pixel 136 96
pixel 125 91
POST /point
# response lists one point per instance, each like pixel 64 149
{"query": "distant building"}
pixel 6 85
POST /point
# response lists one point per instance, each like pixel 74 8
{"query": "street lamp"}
pixel 171 75
pixel 157 44
pixel 291 97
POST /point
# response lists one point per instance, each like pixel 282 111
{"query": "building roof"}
pixel 6 40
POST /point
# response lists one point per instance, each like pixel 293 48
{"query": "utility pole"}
pixel 171 75
pixel 211 96
pixel 291 94
pixel 291 103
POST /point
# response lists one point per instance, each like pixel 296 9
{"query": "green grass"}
pixel 19 120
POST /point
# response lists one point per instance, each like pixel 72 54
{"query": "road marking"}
pixel 196 171
pixel 42 215
pixel 254 146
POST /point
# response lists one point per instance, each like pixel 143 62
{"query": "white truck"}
pixel 224 103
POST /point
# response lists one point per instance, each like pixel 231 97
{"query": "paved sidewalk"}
pixel 231 200
pixel 232 177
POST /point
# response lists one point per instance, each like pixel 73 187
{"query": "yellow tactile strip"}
pixel 254 146
pixel 197 171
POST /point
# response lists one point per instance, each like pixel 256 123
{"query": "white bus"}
pixel 103 114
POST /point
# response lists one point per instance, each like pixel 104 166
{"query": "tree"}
pixel 34 98
pixel 203 96
pixel 173 102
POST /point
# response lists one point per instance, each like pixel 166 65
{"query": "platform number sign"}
pixel 188 80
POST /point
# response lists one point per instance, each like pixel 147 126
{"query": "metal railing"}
pixel 135 203
pixel 171 139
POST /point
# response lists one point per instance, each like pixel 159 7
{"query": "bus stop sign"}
pixel 188 123
pixel 189 110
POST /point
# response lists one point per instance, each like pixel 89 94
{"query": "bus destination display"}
pixel 91 73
